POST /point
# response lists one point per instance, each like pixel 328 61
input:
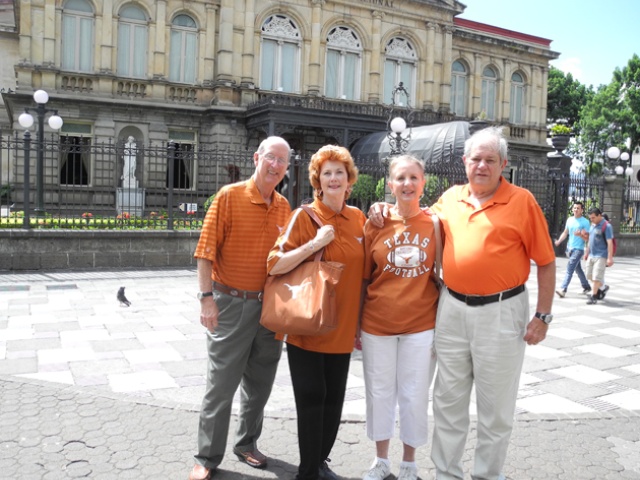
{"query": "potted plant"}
pixel 560 136
pixel 479 122
pixel 560 129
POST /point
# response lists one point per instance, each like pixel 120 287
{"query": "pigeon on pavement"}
pixel 122 299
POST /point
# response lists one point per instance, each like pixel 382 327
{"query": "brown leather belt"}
pixel 479 300
pixel 235 292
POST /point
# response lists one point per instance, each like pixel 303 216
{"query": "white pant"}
pixel 482 344
pixel 398 370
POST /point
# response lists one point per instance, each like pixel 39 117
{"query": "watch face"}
pixel 545 317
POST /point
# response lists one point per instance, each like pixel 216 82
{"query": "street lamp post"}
pixel 397 125
pixel 623 157
pixel 55 122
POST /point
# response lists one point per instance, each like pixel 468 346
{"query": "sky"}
pixel 593 37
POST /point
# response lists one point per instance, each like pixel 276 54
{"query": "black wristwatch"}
pixel 545 317
pixel 201 295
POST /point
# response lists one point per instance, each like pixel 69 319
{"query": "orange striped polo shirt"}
pixel 238 232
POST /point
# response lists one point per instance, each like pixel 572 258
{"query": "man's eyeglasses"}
pixel 270 157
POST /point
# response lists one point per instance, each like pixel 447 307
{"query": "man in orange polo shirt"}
pixel 492 231
pixel 239 230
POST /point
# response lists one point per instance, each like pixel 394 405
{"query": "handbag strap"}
pixel 316 219
pixel 438 234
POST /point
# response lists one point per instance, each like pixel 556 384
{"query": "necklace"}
pixel 405 217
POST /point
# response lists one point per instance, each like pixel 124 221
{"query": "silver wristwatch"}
pixel 545 317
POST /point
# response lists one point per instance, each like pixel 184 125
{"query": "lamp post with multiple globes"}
pixel 26 121
pixel 623 157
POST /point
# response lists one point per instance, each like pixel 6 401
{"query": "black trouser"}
pixel 319 383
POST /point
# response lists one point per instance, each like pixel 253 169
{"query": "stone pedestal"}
pixel 130 200
pixel 130 183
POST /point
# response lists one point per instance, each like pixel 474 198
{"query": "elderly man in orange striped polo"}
pixel 239 229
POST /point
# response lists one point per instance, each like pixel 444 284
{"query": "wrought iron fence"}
pixel 82 184
pixel 631 208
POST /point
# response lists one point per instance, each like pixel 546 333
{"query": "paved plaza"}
pixel 90 389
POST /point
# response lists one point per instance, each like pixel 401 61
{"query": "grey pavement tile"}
pixel 572 389
pixel 33 344
pixel 604 363
pixel 157 427
pixel 120 344
pixel 184 368
pixel 18 366
pixel 630 382
pixel 56 326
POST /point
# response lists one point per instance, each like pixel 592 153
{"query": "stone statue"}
pixel 129 170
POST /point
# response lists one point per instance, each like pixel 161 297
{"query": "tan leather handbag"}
pixel 303 301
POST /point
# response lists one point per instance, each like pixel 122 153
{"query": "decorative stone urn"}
pixel 560 142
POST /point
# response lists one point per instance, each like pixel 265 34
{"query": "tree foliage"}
pixel 612 116
pixel 566 97
pixel 629 100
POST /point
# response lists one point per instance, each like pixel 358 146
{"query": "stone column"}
pixel 225 48
pixel 314 53
pixel 26 14
pixel 248 43
pixel 506 91
pixel 50 22
pixel 376 59
pixel 105 25
pixel 209 45
pixel 613 201
pixel 429 66
pixel 476 86
pixel 158 46
pixel 445 86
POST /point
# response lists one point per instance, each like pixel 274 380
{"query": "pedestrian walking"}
pixel 576 230
pixel 599 255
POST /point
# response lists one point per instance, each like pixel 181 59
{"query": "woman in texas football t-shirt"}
pixel 398 320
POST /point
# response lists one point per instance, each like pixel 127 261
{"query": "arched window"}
pixel 280 54
pixel 132 42
pixel 458 89
pixel 399 66
pixel 517 99
pixel 182 56
pixel 489 89
pixel 343 65
pixel 77 36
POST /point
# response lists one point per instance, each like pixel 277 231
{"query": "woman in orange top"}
pixel 398 321
pixel 319 365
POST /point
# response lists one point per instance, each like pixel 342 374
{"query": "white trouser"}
pixel 398 370
pixel 482 344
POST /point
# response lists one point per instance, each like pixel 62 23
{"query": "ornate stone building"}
pixel 233 71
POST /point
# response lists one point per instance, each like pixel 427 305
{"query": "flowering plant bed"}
pixel 88 221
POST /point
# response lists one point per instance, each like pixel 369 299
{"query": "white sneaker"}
pixel 408 472
pixel 379 471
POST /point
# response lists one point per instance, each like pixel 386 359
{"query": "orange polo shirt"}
pixel 489 249
pixel 238 232
pixel 347 247
pixel 402 296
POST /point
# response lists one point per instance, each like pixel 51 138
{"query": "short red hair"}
pixel 336 154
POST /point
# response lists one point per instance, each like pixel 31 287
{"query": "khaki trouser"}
pixel 483 345
pixel 241 353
